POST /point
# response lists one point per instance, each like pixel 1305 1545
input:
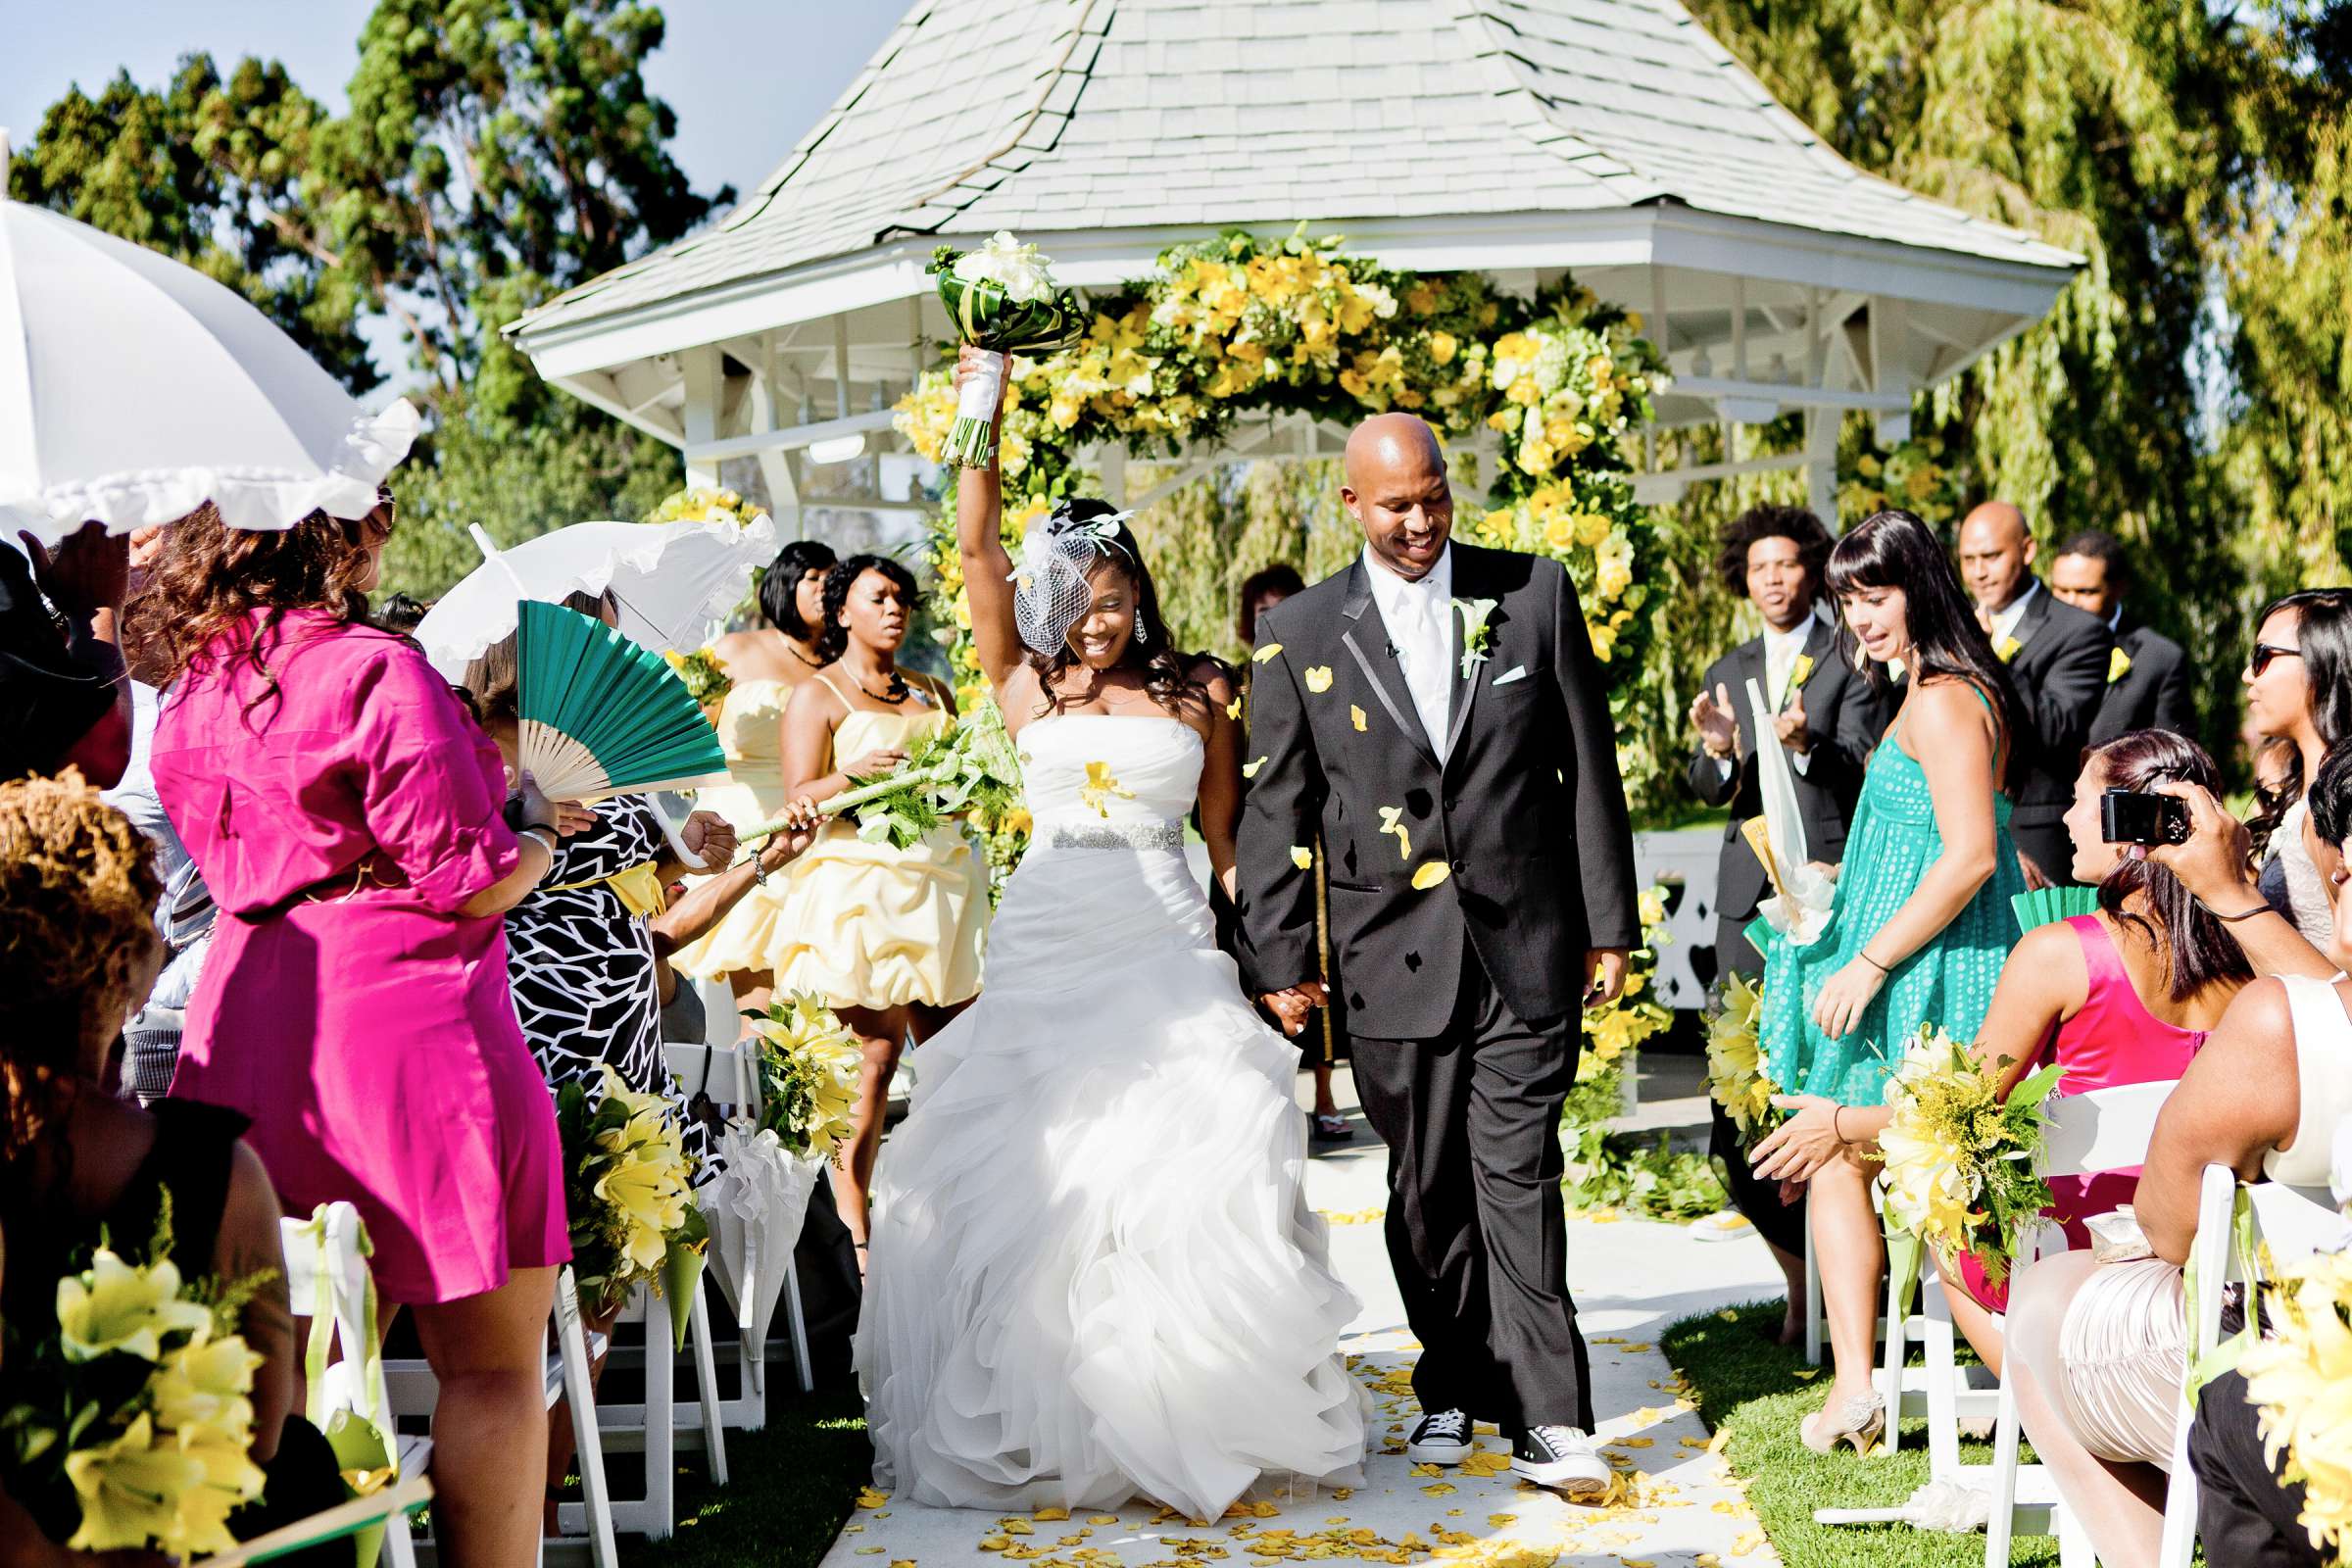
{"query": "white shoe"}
pixel 1562 1458
pixel 1720 1227
pixel 1442 1436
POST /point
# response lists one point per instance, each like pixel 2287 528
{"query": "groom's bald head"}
pixel 1396 490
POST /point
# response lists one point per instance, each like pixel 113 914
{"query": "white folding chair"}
pixel 2290 1223
pixel 328 1281
pixel 413 1391
pixel 2104 1129
pixel 656 1426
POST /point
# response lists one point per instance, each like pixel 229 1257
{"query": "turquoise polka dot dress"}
pixel 1949 983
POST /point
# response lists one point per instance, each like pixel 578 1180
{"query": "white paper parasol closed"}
pixel 1802 896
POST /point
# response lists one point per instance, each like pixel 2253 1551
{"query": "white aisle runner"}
pixel 1675 1505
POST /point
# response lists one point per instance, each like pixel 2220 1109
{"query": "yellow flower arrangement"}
pixel 704 504
pixel 1914 476
pixel 809 1066
pixel 1735 1075
pixel 1959 1155
pixel 2301 1378
pixel 628 1186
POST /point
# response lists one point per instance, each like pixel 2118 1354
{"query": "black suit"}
pixel 2060 670
pixel 1463 999
pixel 1844 719
pixel 2152 694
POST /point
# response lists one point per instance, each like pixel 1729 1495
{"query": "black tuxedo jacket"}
pixel 2060 668
pixel 1844 719
pixel 2154 694
pixel 1527 811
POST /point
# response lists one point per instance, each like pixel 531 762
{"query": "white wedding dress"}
pixel 1093 1273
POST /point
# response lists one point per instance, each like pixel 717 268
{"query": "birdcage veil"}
pixel 1050 591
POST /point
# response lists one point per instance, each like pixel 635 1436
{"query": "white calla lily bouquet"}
pixel 628 1189
pixel 134 1428
pixel 1001 297
pixel 809 1064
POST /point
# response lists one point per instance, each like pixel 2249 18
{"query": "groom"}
pixel 1434 713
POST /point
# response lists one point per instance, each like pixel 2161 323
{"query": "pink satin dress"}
pixel 341 814
pixel 2114 1040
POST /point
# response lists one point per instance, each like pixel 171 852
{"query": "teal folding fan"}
pixel 603 716
pixel 2049 905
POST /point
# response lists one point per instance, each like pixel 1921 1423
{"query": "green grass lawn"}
pixel 794 1482
pixel 1749 1386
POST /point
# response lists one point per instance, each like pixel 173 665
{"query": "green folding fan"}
pixel 2049 905
pixel 601 715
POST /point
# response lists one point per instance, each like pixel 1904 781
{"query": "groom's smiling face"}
pixel 1398 492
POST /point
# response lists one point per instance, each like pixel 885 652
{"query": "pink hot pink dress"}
pixel 2114 1040
pixel 366 1029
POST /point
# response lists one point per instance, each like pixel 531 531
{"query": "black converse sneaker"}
pixel 1442 1436
pixel 1562 1458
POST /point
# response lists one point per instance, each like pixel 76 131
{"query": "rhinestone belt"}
pixel 1117 836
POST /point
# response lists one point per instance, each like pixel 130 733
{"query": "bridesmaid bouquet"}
pixel 1003 298
pixel 1960 1159
pixel 2300 1378
pixel 137 1424
pixel 808 1069
pixel 705 682
pixel 969 769
pixel 626 1181
pixel 1735 1075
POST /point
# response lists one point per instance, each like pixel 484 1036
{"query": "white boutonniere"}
pixel 1474 614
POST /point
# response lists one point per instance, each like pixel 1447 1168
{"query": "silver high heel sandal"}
pixel 1860 1420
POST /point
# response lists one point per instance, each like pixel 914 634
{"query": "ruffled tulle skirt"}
pixel 1095 1272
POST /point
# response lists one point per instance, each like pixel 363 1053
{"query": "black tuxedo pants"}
pixel 1475 1228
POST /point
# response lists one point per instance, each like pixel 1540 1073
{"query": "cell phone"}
pixel 2137 816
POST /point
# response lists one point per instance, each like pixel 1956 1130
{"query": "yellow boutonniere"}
pixel 2119 664
pixel 1800 673
pixel 1101 787
pixel 2007 649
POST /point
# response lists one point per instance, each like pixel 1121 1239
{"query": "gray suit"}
pixel 2153 693
pixel 2060 670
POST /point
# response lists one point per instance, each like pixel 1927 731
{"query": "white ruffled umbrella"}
pixel 675 583
pixel 134 389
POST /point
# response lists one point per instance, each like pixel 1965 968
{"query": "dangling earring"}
pixel 1143 633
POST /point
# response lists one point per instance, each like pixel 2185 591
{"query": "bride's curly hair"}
pixel 209 579
pixel 1149 649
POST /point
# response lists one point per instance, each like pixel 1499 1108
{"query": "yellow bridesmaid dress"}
pixel 750 730
pixel 865 926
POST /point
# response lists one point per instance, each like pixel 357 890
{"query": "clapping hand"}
pixel 710 836
pixel 1718 730
pixel 1790 725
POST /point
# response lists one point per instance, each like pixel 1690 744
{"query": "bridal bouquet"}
pixel 2300 1378
pixel 1960 1159
pixel 808 1069
pixel 1735 1075
pixel 626 1177
pixel 1003 298
pixel 136 1426
pixel 971 770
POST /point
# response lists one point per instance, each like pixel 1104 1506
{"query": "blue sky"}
pixel 746 77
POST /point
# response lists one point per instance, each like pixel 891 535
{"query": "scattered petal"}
pixel 1266 653
pixel 1250 769
pixel 1431 873
pixel 1318 678
pixel 1806 1374
pixel 1355 716
pixel 1302 857
pixel 1233 710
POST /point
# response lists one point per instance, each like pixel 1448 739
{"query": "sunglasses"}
pixel 2263 652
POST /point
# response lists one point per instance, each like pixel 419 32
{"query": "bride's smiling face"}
pixel 1101 637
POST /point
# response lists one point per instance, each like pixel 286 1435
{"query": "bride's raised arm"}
pixel 987 568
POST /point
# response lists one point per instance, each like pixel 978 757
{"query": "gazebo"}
pixel 1519 138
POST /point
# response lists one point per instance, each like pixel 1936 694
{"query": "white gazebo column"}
pixel 701 376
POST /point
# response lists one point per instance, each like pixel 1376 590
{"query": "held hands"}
pixel 1803 1142
pixel 1291 1007
pixel 1718 731
pixel 711 837
pixel 1839 1006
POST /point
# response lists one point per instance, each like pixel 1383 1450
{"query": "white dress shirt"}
pixel 1419 618
pixel 2004 624
pixel 1782 650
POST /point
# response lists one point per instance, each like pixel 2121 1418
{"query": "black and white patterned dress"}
pixel 582 964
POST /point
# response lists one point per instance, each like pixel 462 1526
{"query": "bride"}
pixel 1096 1275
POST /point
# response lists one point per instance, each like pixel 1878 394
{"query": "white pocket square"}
pixel 1515 673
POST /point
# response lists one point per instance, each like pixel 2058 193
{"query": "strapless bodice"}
pixel 1109 776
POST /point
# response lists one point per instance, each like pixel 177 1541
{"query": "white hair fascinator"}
pixel 1051 593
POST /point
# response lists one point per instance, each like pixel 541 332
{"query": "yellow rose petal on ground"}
pixel 868 1498
pixel 1806 1374
pixel 1355 716
pixel 995 1543
pixel 1265 1510
pixel 1318 678
pixel 1639 1443
pixel 1266 653
pixel 1431 873
pixel 1101 1518
pixel 1438 1489
pixel 1250 769
pixel 1014 1527
pixel 1047 1516
pixel 1302 857
pixel 871 1551
pixel 1728 1315
pixel 1427 1470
